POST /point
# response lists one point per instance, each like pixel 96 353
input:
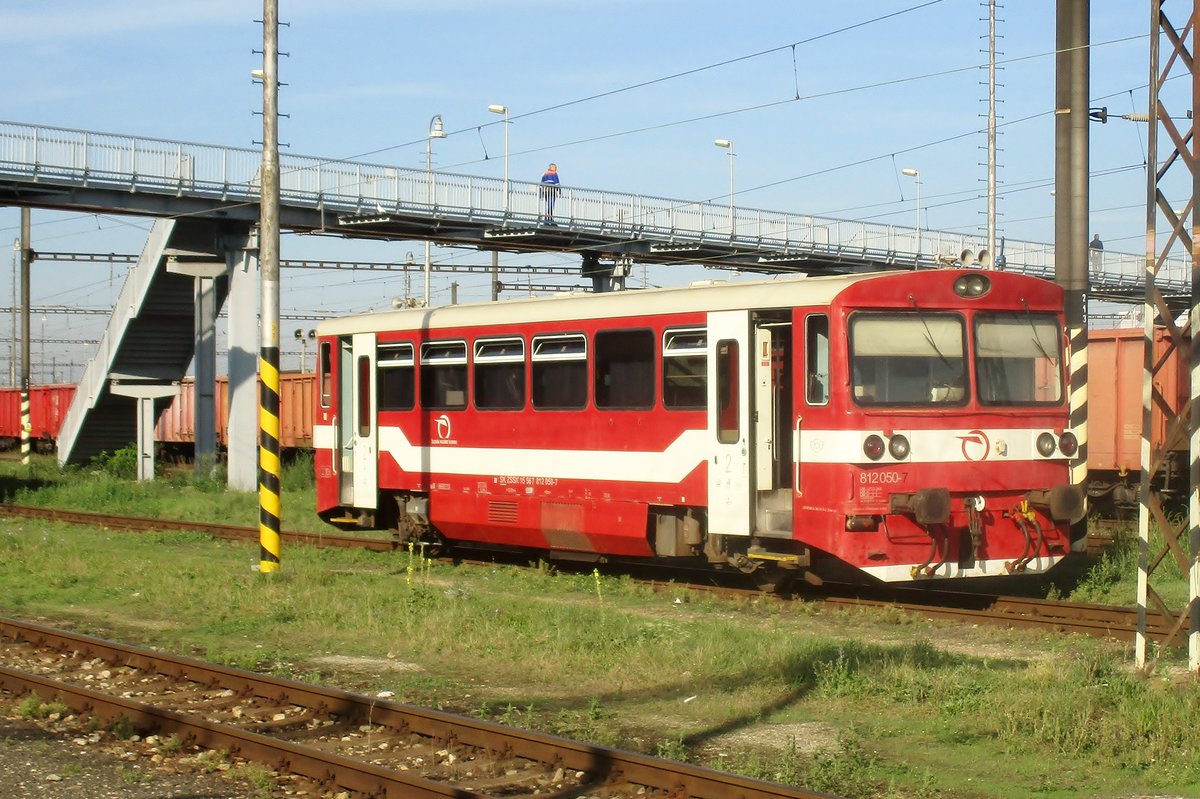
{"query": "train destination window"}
pixel 1018 358
pixel 728 393
pixel 559 371
pixel 816 359
pixel 396 377
pixel 913 358
pixel 685 369
pixel 444 375
pixel 624 369
pixel 500 374
pixel 326 370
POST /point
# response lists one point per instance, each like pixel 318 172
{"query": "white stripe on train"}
pixel 692 447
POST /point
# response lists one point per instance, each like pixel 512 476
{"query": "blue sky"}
pixel 626 95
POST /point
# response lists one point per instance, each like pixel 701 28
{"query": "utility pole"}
pixel 991 143
pixel 1071 136
pixel 26 259
pixel 12 344
pixel 269 502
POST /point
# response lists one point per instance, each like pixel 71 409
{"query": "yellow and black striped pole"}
pixel 26 258
pixel 1071 168
pixel 269 503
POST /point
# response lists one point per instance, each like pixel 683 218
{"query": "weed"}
pixel 211 760
pixel 132 776
pixel 257 777
pixel 672 749
pixel 122 464
pixel 848 771
pixel 123 728
pixel 33 707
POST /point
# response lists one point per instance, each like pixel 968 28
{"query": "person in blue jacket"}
pixel 549 190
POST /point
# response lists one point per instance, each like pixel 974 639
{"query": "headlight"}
pixel 873 447
pixel 898 446
pixel 972 286
pixel 1045 445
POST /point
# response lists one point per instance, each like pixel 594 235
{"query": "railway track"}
pixel 1107 621
pixel 367 746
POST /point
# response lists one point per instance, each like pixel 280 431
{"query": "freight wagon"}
pixel 176 427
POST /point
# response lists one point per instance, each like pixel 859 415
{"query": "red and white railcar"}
pixel 909 425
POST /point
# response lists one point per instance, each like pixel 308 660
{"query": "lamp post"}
pixel 436 131
pixel 728 145
pixel 503 109
pixel 916 176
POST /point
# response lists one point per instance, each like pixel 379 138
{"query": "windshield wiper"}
pixel 1037 341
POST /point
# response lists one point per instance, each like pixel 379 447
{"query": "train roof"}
pixel 780 292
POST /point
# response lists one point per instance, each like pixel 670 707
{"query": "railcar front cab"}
pixel 942 451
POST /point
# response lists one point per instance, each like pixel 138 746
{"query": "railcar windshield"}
pixel 915 358
pixel 1018 359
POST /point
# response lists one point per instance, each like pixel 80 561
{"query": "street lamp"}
pixel 916 176
pixel 436 131
pixel 503 109
pixel 728 145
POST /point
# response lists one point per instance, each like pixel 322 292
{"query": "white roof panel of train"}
pixel 777 293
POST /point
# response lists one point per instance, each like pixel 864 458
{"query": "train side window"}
pixel 624 369
pixel 364 395
pixel 444 375
pixel 396 379
pixel 500 374
pixel 816 359
pixel 326 374
pixel 685 369
pixel 559 372
pixel 728 415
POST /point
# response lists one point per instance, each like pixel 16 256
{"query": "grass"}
pixel 864 704
pixel 1112 577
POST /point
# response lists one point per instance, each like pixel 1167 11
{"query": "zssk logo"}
pixel 975 445
pixel 443 426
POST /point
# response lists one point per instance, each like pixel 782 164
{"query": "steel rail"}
pixel 1106 621
pixel 601 765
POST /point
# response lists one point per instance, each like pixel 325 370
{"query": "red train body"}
pixel 906 425
pixel 1114 430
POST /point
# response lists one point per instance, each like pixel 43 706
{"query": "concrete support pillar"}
pixel 242 338
pixel 206 376
pixel 205 271
pixel 144 393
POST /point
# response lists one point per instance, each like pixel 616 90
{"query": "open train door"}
pixel 730 484
pixel 356 423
